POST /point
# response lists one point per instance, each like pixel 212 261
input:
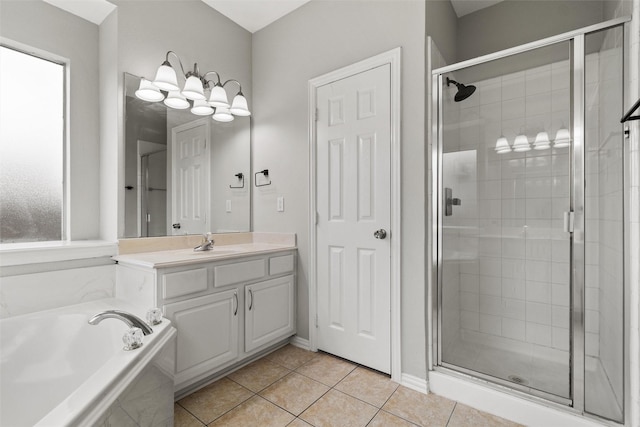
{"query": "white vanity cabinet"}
pixel 225 311
pixel 207 333
pixel 269 311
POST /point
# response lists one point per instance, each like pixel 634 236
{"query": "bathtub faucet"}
pixel 128 318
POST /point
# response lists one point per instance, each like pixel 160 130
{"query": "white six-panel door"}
pixel 353 134
pixel 190 195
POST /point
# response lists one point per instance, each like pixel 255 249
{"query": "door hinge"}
pixel 568 220
pixel 316 320
pixel 317 218
pixel 316 115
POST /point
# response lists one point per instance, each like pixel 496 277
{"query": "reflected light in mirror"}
pixel 563 138
pixel 541 142
pixel 176 100
pixel 148 92
pixel 521 144
pixel 502 145
pixel 201 108
pixel 222 114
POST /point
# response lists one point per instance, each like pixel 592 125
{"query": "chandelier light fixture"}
pixel 194 92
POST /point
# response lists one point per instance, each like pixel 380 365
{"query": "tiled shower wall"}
pixel 605 333
pixel 514 277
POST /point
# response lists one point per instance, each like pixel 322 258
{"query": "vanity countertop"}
pixel 182 257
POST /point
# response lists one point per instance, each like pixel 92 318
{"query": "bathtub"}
pixel 57 370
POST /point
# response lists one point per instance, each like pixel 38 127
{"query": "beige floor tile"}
pixel 291 357
pixel 255 412
pixel 385 419
pixel 421 409
pixel 326 369
pixel 182 418
pixel 210 402
pixel 465 416
pixel 371 386
pixel 295 392
pixel 298 423
pixel 259 374
pixel 338 409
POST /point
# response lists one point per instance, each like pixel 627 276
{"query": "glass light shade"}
pixel 176 100
pixel 541 142
pixel 193 89
pixel 218 97
pixel 201 108
pixel 521 144
pixel 148 92
pixel 502 145
pixel 239 106
pixel 222 114
pixel 166 78
pixel 563 138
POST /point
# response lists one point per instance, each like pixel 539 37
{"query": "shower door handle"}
pixel 450 202
pixel 568 222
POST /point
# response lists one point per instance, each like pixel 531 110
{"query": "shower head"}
pixel 463 91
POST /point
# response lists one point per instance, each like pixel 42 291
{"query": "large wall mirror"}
pixel 184 174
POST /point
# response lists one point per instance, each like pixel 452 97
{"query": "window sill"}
pixel 40 252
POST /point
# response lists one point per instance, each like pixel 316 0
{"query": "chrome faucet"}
pixel 128 318
pixel 206 245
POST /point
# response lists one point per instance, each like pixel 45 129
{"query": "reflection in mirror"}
pixel 184 174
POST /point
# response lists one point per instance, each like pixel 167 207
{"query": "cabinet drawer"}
pixel 280 264
pixel 184 282
pixel 239 272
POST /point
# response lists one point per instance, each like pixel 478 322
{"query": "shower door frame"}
pixel 576 400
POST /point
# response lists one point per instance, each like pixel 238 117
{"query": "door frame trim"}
pixel 393 58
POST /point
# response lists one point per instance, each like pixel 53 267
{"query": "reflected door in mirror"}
pixel 190 196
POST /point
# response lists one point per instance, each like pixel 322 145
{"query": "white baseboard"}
pixel 300 342
pixel 414 383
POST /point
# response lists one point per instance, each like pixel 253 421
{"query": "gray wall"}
pixel 515 22
pixel 42 26
pixel 313 40
pixel 442 26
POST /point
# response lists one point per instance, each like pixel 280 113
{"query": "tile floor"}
pixel 295 387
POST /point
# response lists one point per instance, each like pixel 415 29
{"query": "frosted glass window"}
pixel 31 147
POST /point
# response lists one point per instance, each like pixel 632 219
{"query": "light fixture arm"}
pixel 234 81
pixel 166 62
pixel 204 77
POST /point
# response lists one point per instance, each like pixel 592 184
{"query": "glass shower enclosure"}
pixel 528 199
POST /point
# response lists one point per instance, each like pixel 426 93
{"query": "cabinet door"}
pixel 207 333
pixel 269 313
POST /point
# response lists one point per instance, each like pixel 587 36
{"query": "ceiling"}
pixel 249 14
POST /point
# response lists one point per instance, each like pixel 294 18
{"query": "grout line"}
pixel 452 411
pixel 191 413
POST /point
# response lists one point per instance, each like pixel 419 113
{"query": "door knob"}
pixel 380 234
